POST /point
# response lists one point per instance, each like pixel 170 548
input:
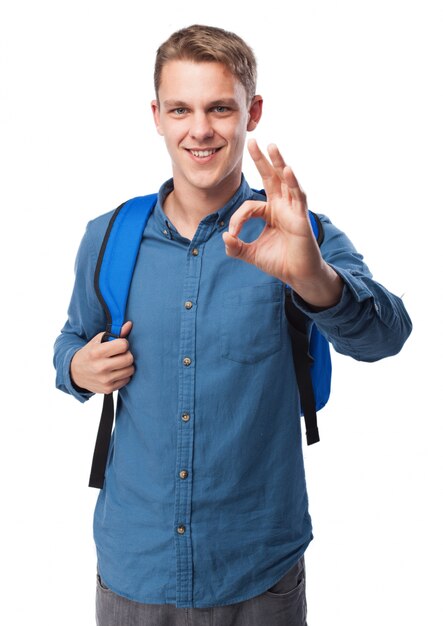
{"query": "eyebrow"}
pixel 231 102
pixel 174 103
pixel 225 102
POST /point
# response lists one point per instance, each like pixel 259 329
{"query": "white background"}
pixel 353 97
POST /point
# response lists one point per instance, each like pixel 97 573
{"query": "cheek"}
pixel 172 138
pixel 238 141
pixel 238 134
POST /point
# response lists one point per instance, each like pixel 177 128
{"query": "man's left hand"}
pixel 286 248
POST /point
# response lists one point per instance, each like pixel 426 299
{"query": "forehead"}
pixel 191 81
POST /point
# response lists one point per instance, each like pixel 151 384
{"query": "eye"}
pixel 179 111
pixel 220 108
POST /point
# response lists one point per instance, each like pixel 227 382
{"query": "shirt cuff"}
pixel 355 291
pixel 65 383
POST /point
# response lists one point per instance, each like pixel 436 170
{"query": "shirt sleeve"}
pixel 369 322
pixel 86 316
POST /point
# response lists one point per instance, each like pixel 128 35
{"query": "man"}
pixel 203 518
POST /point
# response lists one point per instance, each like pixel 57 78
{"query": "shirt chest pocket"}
pixel 251 325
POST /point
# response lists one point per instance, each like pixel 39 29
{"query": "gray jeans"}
pixel 284 604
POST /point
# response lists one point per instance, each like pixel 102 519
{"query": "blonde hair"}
pixel 205 44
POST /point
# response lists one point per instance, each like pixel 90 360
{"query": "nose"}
pixel 201 127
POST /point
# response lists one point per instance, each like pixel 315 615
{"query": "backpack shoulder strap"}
pixel 117 258
pixel 317 227
pixel 112 280
pixel 312 364
pixel 311 355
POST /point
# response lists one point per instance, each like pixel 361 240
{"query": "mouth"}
pixel 203 154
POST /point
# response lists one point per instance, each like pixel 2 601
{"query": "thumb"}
pixel 126 329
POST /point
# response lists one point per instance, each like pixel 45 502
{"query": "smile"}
pixel 201 154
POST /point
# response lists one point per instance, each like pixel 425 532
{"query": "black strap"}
pixel 298 329
pixel 103 441
pixel 99 460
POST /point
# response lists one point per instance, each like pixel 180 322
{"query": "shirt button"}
pixel 188 304
pixel 165 232
pixel 187 361
pixel 186 417
pixel 184 474
pixel 181 529
pixel 195 252
pixel 221 223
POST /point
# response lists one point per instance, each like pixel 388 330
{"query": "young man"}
pixel 203 518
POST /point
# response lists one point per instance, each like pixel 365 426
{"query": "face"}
pixel 203 114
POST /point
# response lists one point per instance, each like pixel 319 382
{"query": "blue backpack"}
pixel 112 281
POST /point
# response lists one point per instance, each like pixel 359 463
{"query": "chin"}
pixel 214 180
pixel 206 182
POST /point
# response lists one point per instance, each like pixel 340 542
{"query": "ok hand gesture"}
pixel 286 248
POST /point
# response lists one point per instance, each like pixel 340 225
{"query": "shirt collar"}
pixel 220 217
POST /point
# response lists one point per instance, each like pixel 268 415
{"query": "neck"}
pixel 186 206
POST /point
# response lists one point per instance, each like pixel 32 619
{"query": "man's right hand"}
pixel 103 367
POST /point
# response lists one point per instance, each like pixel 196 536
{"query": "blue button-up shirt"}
pixel 205 498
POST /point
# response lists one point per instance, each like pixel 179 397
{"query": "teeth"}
pixel 203 153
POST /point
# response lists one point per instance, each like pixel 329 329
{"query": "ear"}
pixel 155 108
pixel 255 111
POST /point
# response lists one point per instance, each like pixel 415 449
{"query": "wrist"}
pixel 322 291
pixel 74 376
